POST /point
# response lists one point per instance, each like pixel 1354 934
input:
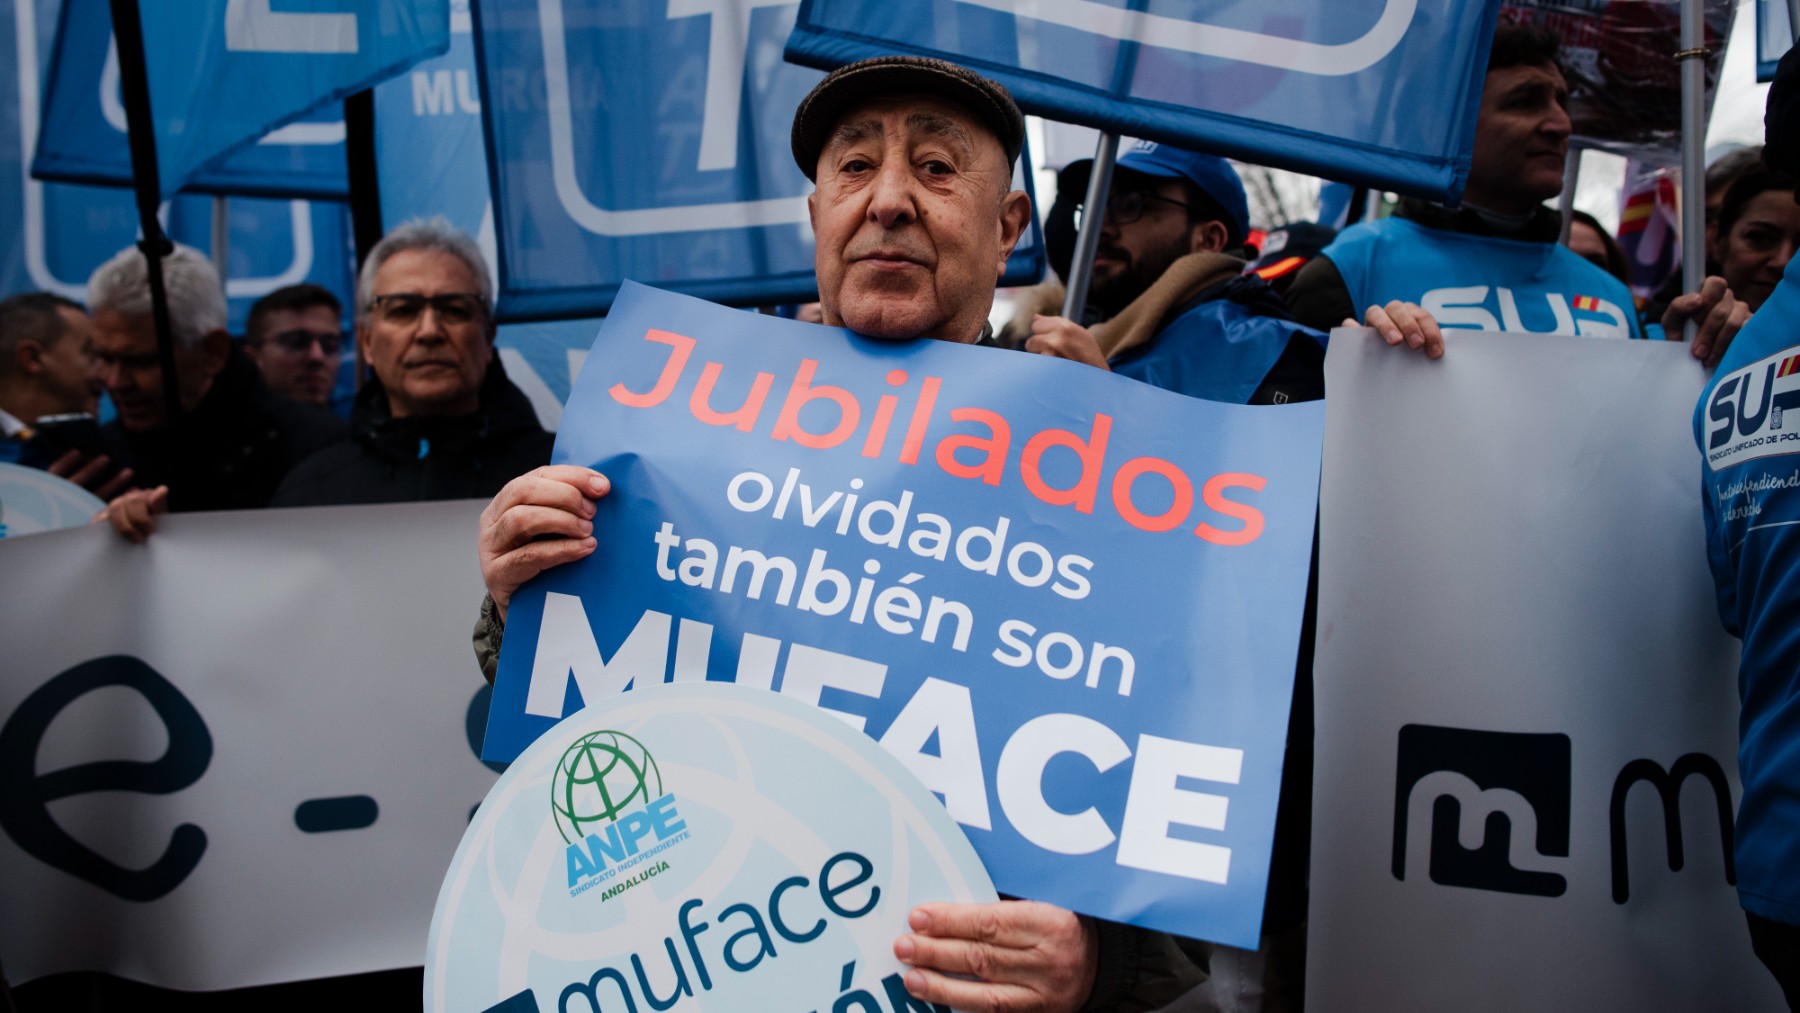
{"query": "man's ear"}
pixel 28 357
pixel 363 346
pixel 215 348
pixel 1207 237
pixel 1015 215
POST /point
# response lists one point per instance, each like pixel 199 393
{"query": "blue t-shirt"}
pixel 1482 282
pixel 1748 426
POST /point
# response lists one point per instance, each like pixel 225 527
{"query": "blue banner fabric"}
pixel 1377 92
pixel 1069 602
pixel 224 73
pixel 648 140
pixel 83 136
pixel 1774 36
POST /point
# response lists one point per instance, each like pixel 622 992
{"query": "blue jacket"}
pixel 1233 343
pixel 1748 426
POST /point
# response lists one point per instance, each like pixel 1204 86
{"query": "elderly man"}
pixel 227 442
pixel 915 216
pixel 439 419
pixel 295 335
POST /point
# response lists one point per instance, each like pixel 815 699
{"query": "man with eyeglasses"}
pixel 438 419
pixel 1168 303
pixel 295 336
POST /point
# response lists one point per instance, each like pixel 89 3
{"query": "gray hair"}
pixel 435 233
pixel 196 296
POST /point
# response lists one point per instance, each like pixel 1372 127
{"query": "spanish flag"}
pixel 1586 302
pixel 1789 366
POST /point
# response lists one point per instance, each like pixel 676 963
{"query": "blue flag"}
pixel 83 139
pixel 224 73
pixel 648 139
pixel 1774 36
pixel 1068 601
pixel 1378 92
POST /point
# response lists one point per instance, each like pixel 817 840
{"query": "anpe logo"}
pixel 1746 416
pixel 606 797
pixel 1487 807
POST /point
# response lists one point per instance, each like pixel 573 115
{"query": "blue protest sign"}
pixel 429 153
pixel 33 501
pixel 682 809
pixel 224 73
pixel 648 140
pixel 83 140
pixel 1067 601
pixel 1307 85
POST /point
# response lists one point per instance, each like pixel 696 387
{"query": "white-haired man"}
pixel 228 441
pixel 438 419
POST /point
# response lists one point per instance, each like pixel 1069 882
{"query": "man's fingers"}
pixel 556 485
pixel 527 561
pixel 118 484
pixel 91 472
pixel 525 523
pixel 962 956
pixel 972 996
pixel 66 465
pixel 1013 923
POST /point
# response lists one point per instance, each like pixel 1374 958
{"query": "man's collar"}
pixel 1542 225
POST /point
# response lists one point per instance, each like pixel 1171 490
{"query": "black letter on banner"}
pixel 24 805
pixel 1668 785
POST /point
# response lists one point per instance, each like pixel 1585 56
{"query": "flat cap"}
pixel 855 83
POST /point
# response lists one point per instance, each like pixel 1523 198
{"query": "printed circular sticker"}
pixel 33 501
pixel 694 846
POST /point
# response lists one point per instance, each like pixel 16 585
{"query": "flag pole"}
pixel 1692 57
pixel 134 81
pixel 1087 240
pixel 365 188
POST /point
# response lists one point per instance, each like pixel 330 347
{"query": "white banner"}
pixel 236 754
pixel 1525 700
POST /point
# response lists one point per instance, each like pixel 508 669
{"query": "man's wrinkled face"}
pixel 67 369
pixel 1521 139
pixel 914 216
pixel 427 335
pixel 124 351
pixel 299 352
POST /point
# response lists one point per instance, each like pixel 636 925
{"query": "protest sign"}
pixel 242 753
pixel 1296 84
pixel 1526 705
pixel 1069 602
pixel 33 501
pixel 634 827
pixel 649 140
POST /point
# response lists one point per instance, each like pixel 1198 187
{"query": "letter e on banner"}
pixel 1157 802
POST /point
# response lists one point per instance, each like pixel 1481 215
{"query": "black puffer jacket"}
pixel 232 450
pixel 390 460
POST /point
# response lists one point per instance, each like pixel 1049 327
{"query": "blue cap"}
pixel 1213 175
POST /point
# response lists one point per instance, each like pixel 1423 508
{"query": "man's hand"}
pixel 1405 322
pixel 1064 339
pixel 1024 955
pixel 1719 314
pixel 541 519
pixel 134 514
pixel 90 473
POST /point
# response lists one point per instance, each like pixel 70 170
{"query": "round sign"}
pixel 696 846
pixel 32 501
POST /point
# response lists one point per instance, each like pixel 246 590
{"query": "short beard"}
pixel 1110 296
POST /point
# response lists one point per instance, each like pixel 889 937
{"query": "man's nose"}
pixel 1558 121
pixel 891 202
pixel 431 326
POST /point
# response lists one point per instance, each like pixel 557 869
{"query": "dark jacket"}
pixel 232 450
pixel 390 460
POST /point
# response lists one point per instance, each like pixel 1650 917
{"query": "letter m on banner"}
pixel 1377 92
pixel 225 72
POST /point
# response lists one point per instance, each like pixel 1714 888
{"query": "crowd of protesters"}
pixel 1179 299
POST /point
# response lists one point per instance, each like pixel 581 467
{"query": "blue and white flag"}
pixel 1069 602
pixel 83 137
pixel 224 73
pixel 1377 92
pixel 648 139
pixel 431 161
pixel 1774 36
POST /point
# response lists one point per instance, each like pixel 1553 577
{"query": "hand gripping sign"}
pixel 707 842
pixel 1067 601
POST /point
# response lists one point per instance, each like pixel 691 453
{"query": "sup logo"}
pixel 608 803
pixel 1485 807
pixel 1498 309
pixel 1746 416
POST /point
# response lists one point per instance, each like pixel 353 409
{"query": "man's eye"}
pixel 856 165
pixel 939 167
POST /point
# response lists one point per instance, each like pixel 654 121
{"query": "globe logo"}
pixel 597 779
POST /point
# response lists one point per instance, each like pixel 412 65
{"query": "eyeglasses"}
pixel 1127 206
pixel 300 341
pixel 406 307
